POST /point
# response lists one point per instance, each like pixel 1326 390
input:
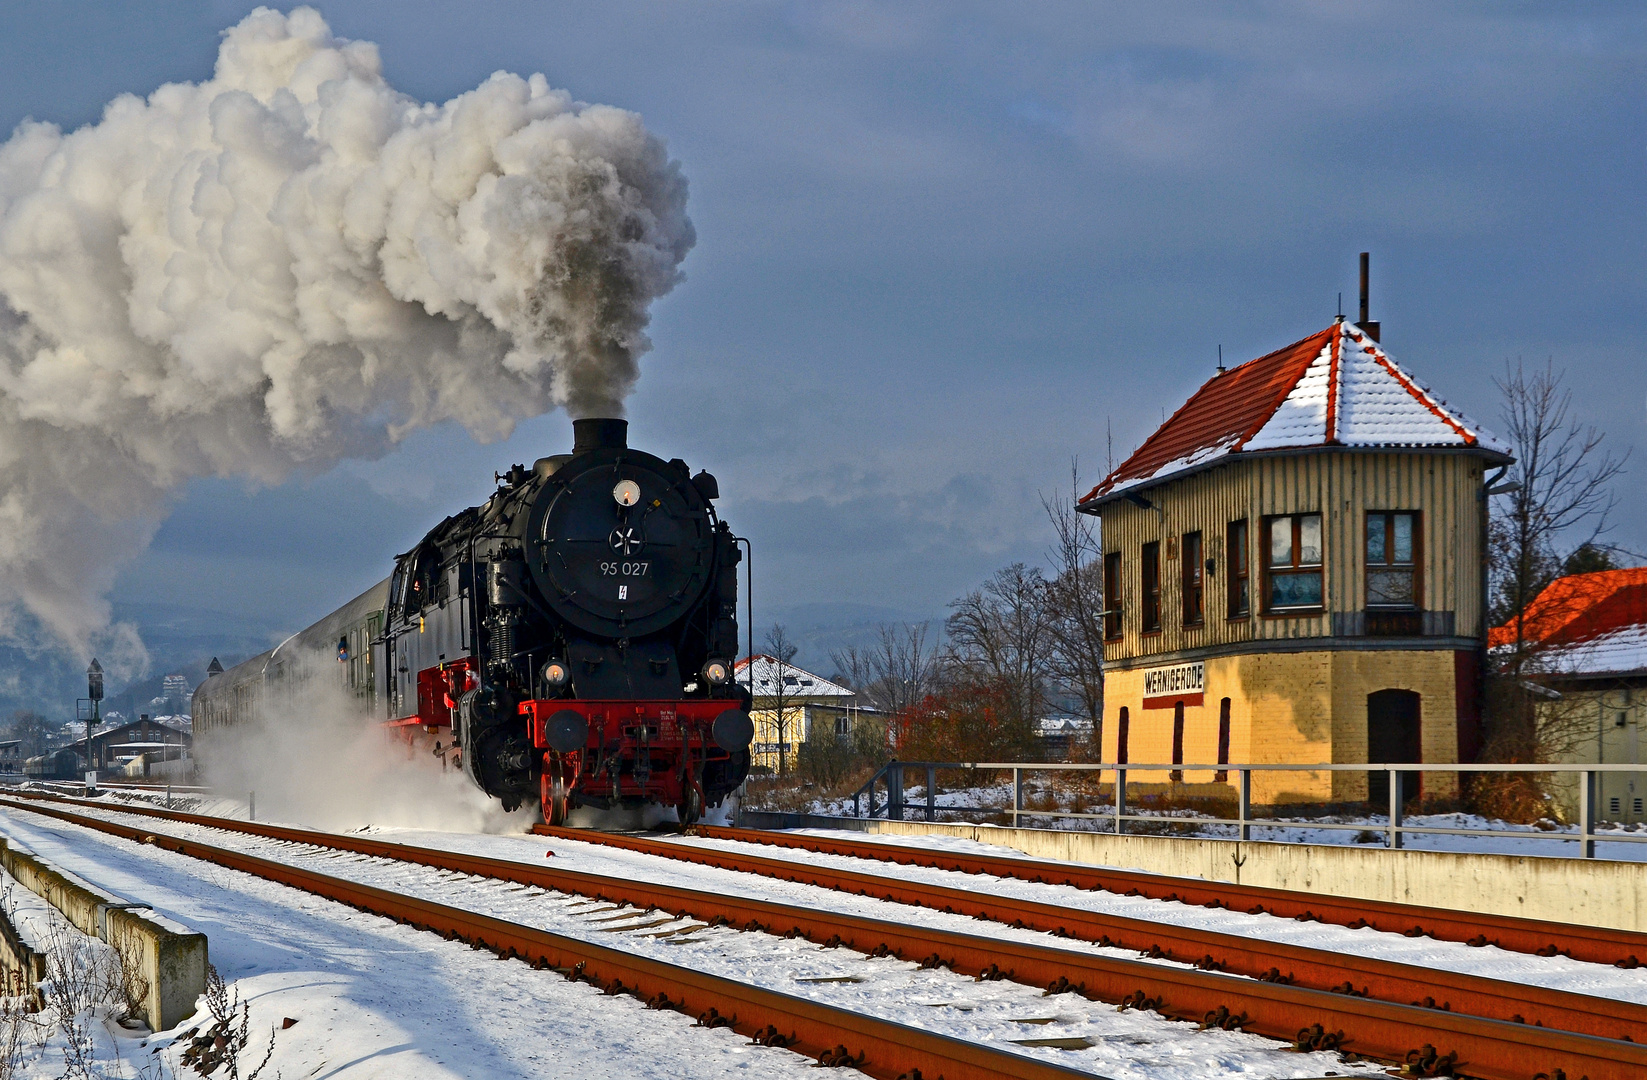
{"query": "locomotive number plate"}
pixel 624 569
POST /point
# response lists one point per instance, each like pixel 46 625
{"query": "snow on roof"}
pixel 1334 388
pixel 1582 609
pixel 798 682
pixel 1617 652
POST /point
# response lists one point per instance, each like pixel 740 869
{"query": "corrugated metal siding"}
pixel 1343 486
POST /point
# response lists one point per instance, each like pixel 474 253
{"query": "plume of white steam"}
pixel 309 758
pixel 289 264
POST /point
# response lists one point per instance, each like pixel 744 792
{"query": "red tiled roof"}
pixel 1580 607
pixel 1336 387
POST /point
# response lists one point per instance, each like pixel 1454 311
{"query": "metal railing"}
pixel 891 776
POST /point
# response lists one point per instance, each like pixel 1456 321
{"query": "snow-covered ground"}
pixel 372 998
pixel 977 805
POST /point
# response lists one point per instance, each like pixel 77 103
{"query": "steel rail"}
pixel 1311 1019
pixel 1602 945
pixel 834 1036
pixel 1042 967
pixel 1254 957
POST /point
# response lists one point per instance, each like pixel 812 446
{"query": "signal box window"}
pixel 1392 559
pixel 1189 551
pixel 1112 596
pixel 1293 562
pixel 1240 593
pixel 1151 573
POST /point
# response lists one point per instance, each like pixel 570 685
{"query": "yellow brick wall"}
pixel 764 747
pixel 1291 707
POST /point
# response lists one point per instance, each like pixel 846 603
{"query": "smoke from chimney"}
pixel 293 263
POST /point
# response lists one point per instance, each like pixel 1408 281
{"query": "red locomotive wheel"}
pixel 557 810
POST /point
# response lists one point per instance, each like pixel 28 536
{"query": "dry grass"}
pixel 1521 798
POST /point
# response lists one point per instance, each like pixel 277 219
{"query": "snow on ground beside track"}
pixel 1127 1046
pixel 967 806
pixel 373 999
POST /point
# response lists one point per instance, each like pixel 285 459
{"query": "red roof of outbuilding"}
pixel 1581 606
pixel 1336 387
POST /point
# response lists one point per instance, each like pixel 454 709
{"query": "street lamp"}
pixel 94 690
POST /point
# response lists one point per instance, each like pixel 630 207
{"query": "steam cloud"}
pixel 293 263
pixel 309 759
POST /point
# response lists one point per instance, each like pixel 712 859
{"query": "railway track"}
pixel 1621 948
pixel 1469 1026
pixel 833 1036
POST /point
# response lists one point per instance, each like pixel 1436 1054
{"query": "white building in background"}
pixel 808 702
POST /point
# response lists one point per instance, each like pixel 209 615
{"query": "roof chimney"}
pixel 1370 327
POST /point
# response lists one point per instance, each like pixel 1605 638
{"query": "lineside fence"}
pixel 893 777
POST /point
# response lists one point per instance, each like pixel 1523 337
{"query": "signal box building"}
pixel 1295 572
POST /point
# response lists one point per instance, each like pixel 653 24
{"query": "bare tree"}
pixel 1000 635
pixel 1075 606
pixel 31 729
pixel 781 650
pixel 1563 493
pixel 896 672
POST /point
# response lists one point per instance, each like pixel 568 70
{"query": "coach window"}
pixel 1150 593
pixel 1293 562
pixel 1189 562
pixel 1235 548
pixel 1112 596
pixel 1392 560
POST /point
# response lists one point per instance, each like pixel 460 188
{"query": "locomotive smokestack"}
pixel 599 434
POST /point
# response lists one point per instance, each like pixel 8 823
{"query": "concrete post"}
pixel 1120 801
pixel 1586 815
pixel 1395 809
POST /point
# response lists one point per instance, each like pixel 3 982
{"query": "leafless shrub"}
pixel 17 1021
pixel 228 1035
pixel 83 975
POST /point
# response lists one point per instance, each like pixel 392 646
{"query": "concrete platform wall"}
pixel 167 960
pixel 1588 892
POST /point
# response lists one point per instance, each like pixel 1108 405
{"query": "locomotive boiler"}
pixel 571 640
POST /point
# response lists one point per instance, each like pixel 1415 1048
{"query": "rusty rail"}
pixel 1207 950
pixel 1600 945
pixel 1308 1017
pixel 880 1048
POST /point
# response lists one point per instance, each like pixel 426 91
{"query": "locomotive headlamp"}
pixel 715 672
pixel 555 673
pixel 627 493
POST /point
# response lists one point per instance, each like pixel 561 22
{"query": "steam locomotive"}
pixel 572 638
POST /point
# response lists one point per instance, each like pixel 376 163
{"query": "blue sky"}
pixel 944 249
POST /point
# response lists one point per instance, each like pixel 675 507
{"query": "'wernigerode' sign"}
pixel 1181 684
